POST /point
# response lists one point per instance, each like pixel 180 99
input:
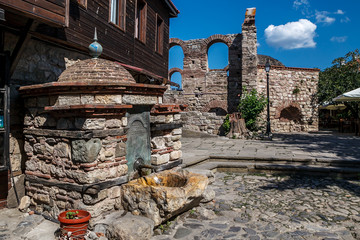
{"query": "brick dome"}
pixel 96 70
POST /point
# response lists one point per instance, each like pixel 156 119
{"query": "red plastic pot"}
pixel 77 227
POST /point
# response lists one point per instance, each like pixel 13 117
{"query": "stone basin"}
pixel 164 195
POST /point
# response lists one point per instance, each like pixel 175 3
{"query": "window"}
pixel 140 21
pixel 159 35
pixel 118 12
pixel 82 3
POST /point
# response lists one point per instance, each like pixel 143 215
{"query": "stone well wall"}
pixel 166 131
pixel 67 155
pixel 40 63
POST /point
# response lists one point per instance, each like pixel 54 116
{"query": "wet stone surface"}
pixel 263 206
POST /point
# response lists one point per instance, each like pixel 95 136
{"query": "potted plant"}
pixel 74 223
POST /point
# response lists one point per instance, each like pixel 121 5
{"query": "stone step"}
pixel 289 167
pixel 303 161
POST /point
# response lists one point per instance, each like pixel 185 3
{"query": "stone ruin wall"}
pixel 217 93
pixel 209 93
pixel 293 105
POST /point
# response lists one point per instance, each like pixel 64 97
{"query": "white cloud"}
pixel 322 17
pixel 298 3
pixel 340 12
pixel 292 35
pixel 258 44
pixel 302 5
pixel 345 20
pixel 339 39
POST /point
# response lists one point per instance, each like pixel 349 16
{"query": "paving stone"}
pixel 218 225
pixel 234 229
pixel 182 233
pixel 210 233
pixel 193 225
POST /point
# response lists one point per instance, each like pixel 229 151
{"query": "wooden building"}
pixel 38 37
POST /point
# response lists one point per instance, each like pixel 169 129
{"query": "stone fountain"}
pixel 84 133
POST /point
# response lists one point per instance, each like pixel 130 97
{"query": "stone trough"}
pixel 164 195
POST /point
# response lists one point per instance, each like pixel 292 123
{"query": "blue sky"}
pixel 299 33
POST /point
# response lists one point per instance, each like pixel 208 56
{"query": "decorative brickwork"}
pixel 97 71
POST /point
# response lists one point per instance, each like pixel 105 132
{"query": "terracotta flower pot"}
pixel 77 227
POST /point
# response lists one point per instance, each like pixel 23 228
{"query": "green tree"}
pixel 341 77
pixel 250 106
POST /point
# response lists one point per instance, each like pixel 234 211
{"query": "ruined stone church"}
pixel 212 93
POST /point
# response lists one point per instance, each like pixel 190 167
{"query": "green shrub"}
pixel 251 105
pixel 226 125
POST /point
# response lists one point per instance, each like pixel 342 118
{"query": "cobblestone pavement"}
pixel 272 207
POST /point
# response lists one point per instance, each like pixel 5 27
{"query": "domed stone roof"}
pixel 96 70
pixel 273 62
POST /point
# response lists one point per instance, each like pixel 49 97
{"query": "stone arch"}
pixel 174 70
pixel 217 106
pixel 216 38
pixel 177 42
pixel 289 112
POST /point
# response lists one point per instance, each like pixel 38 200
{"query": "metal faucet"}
pixel 139 164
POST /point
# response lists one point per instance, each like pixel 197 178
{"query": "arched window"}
pixel 218 56
pixel 176 57
pixel 176 78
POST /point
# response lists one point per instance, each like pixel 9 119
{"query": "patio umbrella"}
pixel 333 107
pixel 352 96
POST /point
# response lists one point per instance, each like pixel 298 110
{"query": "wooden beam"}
pixel 21 44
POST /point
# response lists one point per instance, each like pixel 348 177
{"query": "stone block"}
pixel 68 100
pixel 108 99
pixel 158 159
pixel 174 155
pixel 177 117
pixel 139 100
pixel 90 123
pixel 114 192
pixel 120 149
pixel 158 142
pixel 124 121
pixel 176 137
pixel 177 145
pixel 85 152
pixel 160 119
pixel 62 150
pixel 169 119
pixel 87 99
pixel 113 123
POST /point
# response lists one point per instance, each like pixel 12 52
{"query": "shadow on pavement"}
pixel 342 145
pixel 315 182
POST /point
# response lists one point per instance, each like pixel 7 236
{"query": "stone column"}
pixel 249 50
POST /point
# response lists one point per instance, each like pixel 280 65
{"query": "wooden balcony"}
pixel 53 12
